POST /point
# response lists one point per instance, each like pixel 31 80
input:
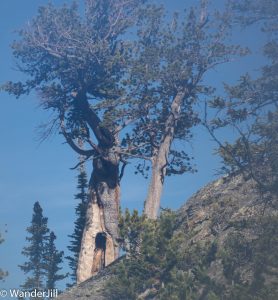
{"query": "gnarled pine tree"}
pixel 76 64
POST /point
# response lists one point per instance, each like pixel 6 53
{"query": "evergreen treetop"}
pixel 35 267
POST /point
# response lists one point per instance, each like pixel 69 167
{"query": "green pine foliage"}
pixel 85 57
pixel 34 267
pixel 153 264
pixel 43 262
pixel 52 260
pixel 80 210
pixel 161 264
pixel 173 55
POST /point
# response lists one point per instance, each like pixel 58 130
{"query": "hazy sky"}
pixel 31 172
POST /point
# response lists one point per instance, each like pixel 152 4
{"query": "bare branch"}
pixel 80 163
pixel 125 163
pixel 211 132
pixel 87 153
pixel 135 155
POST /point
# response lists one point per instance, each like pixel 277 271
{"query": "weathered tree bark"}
pixel 160 160
pixel 159 164
pixel 102 217
pixel 99 241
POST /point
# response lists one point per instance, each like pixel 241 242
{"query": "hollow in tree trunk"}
pixel 101 218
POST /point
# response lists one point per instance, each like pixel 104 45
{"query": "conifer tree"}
pixel 52 259
pixel 37 238
pixel 80 222
pixel 44 259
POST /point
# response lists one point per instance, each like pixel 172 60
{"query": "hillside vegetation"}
pixel 222 244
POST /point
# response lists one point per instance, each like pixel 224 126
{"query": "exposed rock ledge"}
pixel 92 288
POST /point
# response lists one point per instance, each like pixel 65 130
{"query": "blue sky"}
pixel 30 171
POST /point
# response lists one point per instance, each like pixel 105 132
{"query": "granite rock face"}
pixel 211 211
pixel 226 211
pixel 216 212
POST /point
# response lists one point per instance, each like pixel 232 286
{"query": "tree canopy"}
pixel 171 62
pixel 76 65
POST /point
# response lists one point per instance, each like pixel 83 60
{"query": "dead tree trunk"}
pixel 102 217
pixel 160 160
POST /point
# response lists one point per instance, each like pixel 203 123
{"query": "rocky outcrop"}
pixel 227 213
pixel 211 211
pixel 93 288
pixel 233 214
